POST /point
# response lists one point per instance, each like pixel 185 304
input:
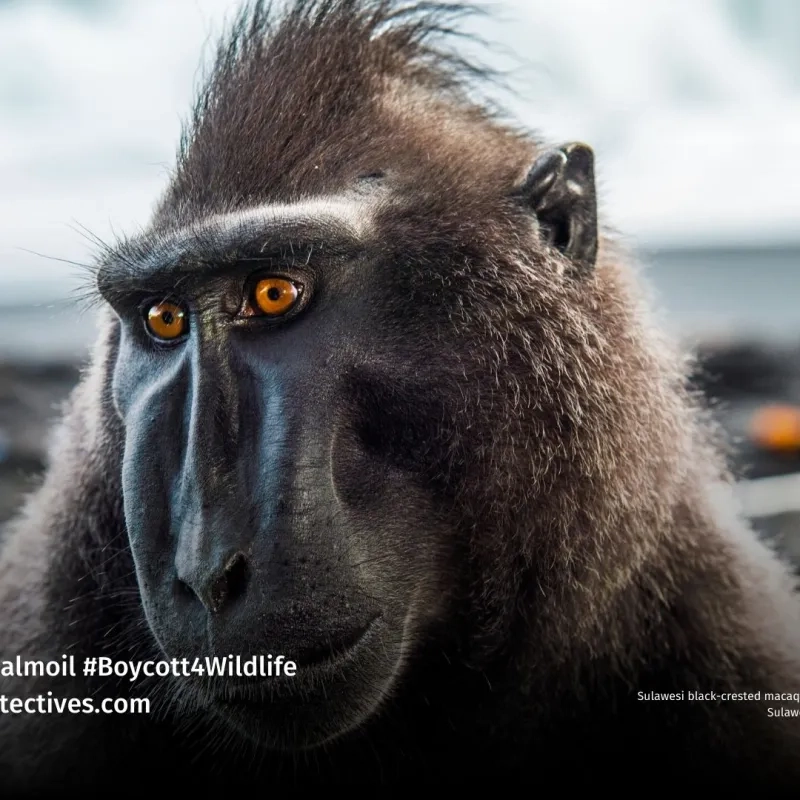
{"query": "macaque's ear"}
pixel 560 190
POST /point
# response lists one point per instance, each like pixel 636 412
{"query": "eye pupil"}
pixel 274 293
pixel 168 318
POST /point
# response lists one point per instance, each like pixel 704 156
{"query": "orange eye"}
pixel 166 321
pixel 275 296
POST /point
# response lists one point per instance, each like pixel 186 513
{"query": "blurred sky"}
pixel 693 109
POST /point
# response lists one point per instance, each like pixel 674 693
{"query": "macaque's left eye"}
pixel 275 296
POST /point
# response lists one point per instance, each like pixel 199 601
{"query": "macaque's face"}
pixel 277 470
pixel 305 388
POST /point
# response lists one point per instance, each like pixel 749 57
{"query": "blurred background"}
pixel 693 109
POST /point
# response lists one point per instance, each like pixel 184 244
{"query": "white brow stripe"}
pixel 351 215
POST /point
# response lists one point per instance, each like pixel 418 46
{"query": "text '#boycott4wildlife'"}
pixel 257 666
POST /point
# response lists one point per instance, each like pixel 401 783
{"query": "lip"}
pixel 312 662
pixel 333 653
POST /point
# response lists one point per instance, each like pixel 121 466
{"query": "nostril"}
pixel 183 588
pixel 230 584
pixel 236 573
pixel 218 593
pixel 217 588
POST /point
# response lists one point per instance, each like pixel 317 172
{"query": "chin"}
pixel 323 701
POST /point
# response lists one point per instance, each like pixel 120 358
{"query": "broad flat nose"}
pixel 218 584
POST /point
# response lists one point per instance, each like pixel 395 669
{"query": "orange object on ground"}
pixel 777 427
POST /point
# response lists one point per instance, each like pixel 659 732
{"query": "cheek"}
pixel 386 518
pixel 381 477
pixel 361 481
pixel 395 537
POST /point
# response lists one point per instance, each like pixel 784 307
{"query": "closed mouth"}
pixel 334 650
pixel 316 660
